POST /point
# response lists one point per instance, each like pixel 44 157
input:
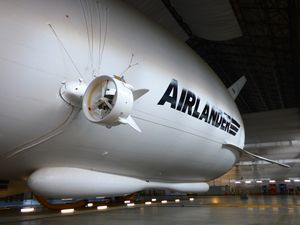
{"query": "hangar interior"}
pixel 258 40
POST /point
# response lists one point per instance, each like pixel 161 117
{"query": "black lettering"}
pixel 232 133
pixel 227 126
pixel 181 100
pixel 213 116
pixel 189 102
pixel 167 97
pixel 234 128
pixel 223 124
pixel 205 112
pixel 235 123
pixel 228 119
pixel 218 120
pixel 196 113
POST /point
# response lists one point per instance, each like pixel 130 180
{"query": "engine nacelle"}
pixel 109 101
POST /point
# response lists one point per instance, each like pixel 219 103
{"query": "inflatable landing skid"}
pixel 120 200
pixel 80 204
pixel 43 201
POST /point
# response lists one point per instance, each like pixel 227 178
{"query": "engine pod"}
pixel 107 101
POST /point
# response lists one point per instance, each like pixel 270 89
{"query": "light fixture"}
pixel 90 204
pixel 148 203
pixel 287 181
pixel 127 201
pixel 67 210
pixel 258 181
pixel 27 210
pixel 191 199
pixel 153 199
pixel 102 207
pixel 130 204
pixel 215 200
pixel 177 200
pixel 248 182
pixel 272 181
pixel 237 182
pixel 164 201
pixel 297 180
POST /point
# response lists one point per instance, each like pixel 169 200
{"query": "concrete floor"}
pixel 208 211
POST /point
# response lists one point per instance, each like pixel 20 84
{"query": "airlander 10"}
pixel 97 100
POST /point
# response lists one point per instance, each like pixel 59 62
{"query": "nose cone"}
pixel 59 182
pixel 39 180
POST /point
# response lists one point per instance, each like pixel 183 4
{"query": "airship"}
pixel 98 100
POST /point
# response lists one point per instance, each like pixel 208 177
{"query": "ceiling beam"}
pixel 178 18
pixel 294 13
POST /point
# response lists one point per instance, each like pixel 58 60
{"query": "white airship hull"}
pixel 47 42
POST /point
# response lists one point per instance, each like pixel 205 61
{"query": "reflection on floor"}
pixel 197 210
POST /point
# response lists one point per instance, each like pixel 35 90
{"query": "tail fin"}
pixel 236 87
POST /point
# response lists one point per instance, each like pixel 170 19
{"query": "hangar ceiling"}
pixel 254 38
pixel 264 54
